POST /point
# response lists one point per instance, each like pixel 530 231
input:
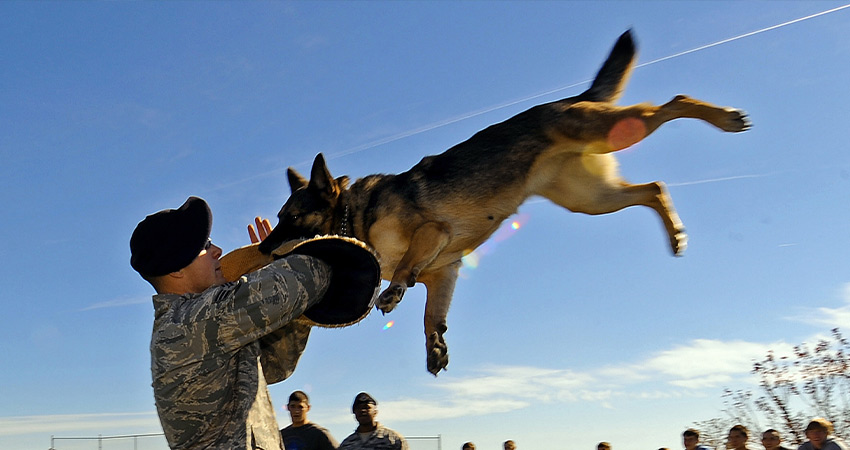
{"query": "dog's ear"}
pixel 321 179
pixel 296 181
pixel 342 182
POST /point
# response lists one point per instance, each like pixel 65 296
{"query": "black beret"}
pixel 363 398
pixel 171 239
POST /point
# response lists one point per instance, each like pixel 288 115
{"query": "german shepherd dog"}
pixel 421 222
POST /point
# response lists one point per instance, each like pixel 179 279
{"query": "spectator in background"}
pixel 690 439
pixel 819 435
pixel 468 446
pixel 371 435
pixel 737 439
pixel 771 440
pixel 509 445
pixel 303 434
pixel 603 446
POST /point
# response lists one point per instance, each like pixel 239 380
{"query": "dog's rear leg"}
pixel 426 243
pixel 608 198
pixel 725 118
pixel 618 127
pixel 441 285
pixel 655 196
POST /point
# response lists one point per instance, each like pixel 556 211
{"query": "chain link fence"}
pixel 156 441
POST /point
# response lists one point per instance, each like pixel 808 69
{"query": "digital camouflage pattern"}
pixel 212 354
pixel 382 438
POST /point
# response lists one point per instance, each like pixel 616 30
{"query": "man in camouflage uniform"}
pixel 371 435
pixel 215 343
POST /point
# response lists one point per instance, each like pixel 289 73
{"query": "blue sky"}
pixel 572 330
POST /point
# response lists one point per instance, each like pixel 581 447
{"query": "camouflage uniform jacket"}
pixel 213 353
pixel 382 438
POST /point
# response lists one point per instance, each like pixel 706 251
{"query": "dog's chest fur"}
pixel 387 210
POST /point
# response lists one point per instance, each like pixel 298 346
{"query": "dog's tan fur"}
pixel 421 222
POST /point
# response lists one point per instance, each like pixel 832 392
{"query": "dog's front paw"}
pixel 390 297
pixel 438 353
pixel 736 121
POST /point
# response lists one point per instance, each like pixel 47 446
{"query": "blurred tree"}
pixel 813 382
pixel 713 432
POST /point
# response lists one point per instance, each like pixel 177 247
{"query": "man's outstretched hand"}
pixel 264 227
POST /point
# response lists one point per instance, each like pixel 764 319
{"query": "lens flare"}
pixel 472 259
pixel 389 324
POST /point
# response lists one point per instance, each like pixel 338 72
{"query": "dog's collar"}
pixel 343 226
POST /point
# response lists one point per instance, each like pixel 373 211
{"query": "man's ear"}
pixel 178 274
pixel 164 284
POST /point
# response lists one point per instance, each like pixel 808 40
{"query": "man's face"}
pixel 737 439
pixel 205 270
pixel 365 413
pixel 817 437
pixel 770 440
pixel 298 411
pixel 690 442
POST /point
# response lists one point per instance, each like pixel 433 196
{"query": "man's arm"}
pixel 282 348
pixel 327 441
pixel 266 300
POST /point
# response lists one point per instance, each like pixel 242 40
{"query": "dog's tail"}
pixel 612 77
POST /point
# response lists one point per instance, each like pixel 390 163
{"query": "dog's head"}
pixel 311 209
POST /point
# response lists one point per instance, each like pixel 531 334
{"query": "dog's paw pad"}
pixel 736 121
pixel 679 243
pixel 438 354
pixel 390 298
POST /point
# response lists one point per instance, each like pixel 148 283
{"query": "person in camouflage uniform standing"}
pixel 216 344
pixel 371 435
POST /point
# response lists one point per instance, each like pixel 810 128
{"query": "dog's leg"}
pixel 426 243
pixel 725 118
pixel 655 196
pixel 441 285
pixel 590 184
pixel 608 128
pixel 662 203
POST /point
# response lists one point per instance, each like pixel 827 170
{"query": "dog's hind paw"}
pixel 390 297
pixel 736 121
pixel 679 242
pixel 438 353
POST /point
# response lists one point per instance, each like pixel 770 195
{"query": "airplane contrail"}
pixel 469 115
pixel 715 180
pixel 479 112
